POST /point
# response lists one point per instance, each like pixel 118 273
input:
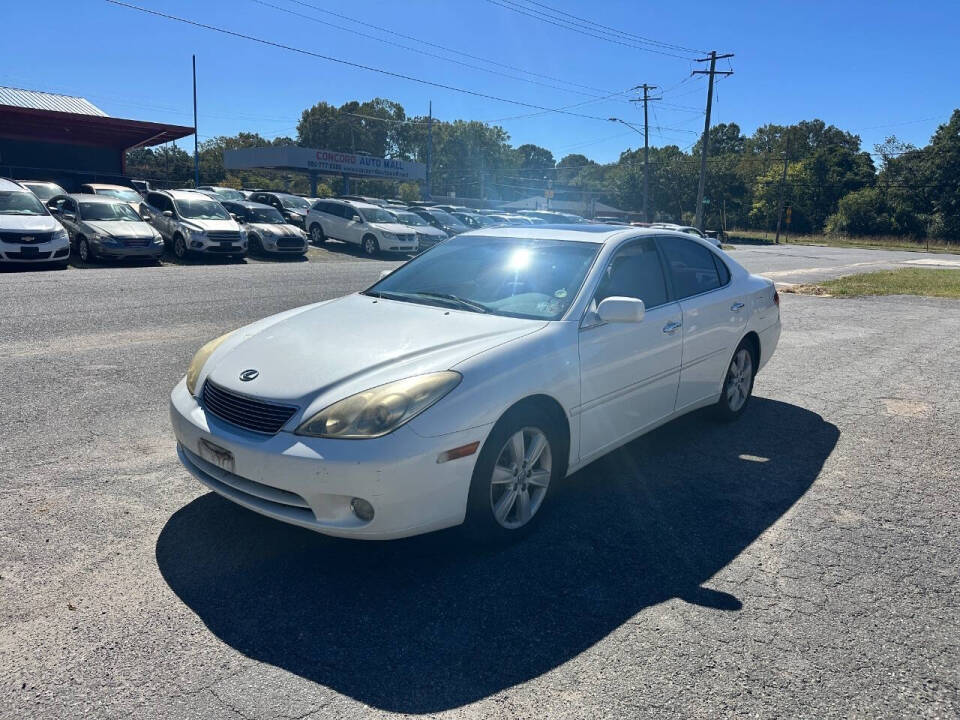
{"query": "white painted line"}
pixel 934 263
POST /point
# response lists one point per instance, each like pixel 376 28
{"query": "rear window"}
pixel 691 267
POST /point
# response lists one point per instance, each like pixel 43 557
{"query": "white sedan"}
pixel 464 385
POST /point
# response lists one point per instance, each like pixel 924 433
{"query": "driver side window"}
pixel 634 272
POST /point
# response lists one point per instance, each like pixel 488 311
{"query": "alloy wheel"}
pixel 83 250
pixel 370 246
pixel 179 247
pixel 521 476
pixel 739 378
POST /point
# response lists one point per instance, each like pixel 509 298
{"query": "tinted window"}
pixel 691 266
pixel 108 212
pixel 635 272
pixel 160 202
pixel 722 269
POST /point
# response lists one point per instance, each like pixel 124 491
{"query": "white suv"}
pixel 369 226
pixel 28 232
pixel 191 222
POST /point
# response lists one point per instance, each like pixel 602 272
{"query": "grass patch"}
pixel 906 281
pixel 878 242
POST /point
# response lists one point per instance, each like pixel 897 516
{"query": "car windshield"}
pixel 125 195
pixel 446 218
pixel 265 215
pixel 201 209
pixel 45 191
pixel 229 194
pixel 108 211
pixel 409 218
pixel 292 201
pixel 526 278
pixel 376 215
pixel 20 202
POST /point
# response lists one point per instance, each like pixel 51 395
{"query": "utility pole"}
pixel 783 182
pixel 646 149
pixel 196 152
pixel 429 150
pixel 706 127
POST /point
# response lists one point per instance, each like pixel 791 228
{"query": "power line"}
pixel 618 32
pixel 443 47
pixel 413 49
pixel 348 63
pixel 508 5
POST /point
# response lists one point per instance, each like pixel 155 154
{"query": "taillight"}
pixel 776 297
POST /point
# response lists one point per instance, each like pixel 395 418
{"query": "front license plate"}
pixel 226 244
pixel 221 457
pixel 29 251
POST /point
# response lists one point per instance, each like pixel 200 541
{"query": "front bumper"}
pixel 51 251
pixel 310 481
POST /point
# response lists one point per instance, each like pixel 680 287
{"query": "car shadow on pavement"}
pixel 432 623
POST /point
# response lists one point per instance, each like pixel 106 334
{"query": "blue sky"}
pixel 875 68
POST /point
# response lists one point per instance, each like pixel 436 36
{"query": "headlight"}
pixel 380 410
pixel 388 235
pixel 196 365
pixel 60 235
pixel 194 233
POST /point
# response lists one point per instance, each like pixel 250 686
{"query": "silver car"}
pixel 427 234
pixel 103 226
pixel 267 230
pixel 190 222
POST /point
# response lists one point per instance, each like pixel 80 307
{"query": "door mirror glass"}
pixel 621 310
pixel 168 213
pixel 145 216
pixel 384 273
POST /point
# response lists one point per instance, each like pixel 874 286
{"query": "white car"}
pixel 369 226
pixel 191 222
pixel 427 234
pixel 688 229
pixel 29 234
pixel 465 384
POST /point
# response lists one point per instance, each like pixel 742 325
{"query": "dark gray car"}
pixel 102 226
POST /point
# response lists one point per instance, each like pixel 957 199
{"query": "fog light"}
pixel 362 509
pixel 196 244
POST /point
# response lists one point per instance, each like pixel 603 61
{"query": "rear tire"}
pixel 518 464
pixel 737 383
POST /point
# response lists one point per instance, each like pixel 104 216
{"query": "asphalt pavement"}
pixel 801 562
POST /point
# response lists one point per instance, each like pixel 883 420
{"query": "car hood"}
pixel 28 223
pixel 317 355
pixel 428 230
pixel 395 228
pixel 215 225
pixel 122 229
pixel 276 228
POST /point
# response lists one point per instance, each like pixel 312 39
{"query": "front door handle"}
pixel 672 327
pixel 737 307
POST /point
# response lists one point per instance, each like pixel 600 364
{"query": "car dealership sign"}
pixel 329 162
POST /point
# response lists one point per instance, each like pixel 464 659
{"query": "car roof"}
pixel 90 197
pixel 108 186
pixel 11 185
pixel 580 232
pixel 249 204
pixel 37 182
pixel 187 194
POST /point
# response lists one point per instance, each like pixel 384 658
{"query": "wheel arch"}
pixel 752 341
pixel 554 409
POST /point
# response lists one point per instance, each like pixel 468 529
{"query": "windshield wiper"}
pixel 457 300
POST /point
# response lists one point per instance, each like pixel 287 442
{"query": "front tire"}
pixel 737 384
pixel 515 470
pixel 370 246
pixel 84 251
pixel 179 247
pixel 255 246
pixel 317 236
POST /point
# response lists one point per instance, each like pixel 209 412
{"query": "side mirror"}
pixel 145 215
pixel 54 210
pixel 168 213
pixel 621 310
pixel 384 273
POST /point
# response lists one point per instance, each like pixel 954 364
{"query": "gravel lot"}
pixel 802 562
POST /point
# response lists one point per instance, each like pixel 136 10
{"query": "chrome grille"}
pixel 249 413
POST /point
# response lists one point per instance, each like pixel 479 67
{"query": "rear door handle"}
pixel 737 307
pixel 672 327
